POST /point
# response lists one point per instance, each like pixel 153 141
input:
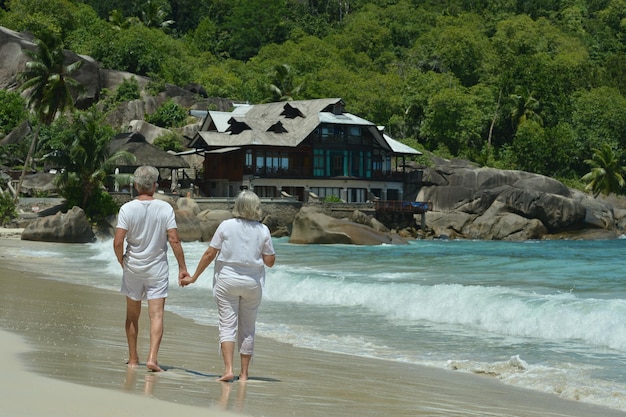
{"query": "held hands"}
pixel 185 279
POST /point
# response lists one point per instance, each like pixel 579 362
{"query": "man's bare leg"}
pixel 245 364
pixel 228 351
pixel 133 310
pixel 155 310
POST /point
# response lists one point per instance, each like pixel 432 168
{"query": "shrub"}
pixel 332 199
pixel 169 142
pixel 12 111
pixel 128 90
pixel 169 114
pixel 100 206
pixel 7 208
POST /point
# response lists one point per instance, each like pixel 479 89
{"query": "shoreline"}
pixel 77 348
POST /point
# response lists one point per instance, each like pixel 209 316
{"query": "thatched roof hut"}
pixel 145 153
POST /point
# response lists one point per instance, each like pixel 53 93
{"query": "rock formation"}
pixel 313 226
pixel 469 202
pixel 70 227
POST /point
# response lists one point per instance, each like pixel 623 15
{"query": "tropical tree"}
pixel 154 14
pixel 281 87
pixel 525 107
pixel 82 156
pixel 49 85
pixel 606 175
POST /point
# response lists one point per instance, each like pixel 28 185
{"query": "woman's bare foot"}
pixel 132 363
pixel 227 377
pixel 243 377
pixel 154 367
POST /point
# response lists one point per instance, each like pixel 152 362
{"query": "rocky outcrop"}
pixel 312 226
pixel 189 226
pixel 490 204
pixel 70 227
pixel 210 220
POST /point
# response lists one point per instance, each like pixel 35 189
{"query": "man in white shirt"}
pixel 147 225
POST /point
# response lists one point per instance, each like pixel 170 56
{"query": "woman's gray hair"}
pixel 248 206
pixel 144 178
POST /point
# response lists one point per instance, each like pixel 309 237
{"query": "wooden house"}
pixel 308 148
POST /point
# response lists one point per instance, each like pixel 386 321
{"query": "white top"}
pixel 146 223
pixel 241 244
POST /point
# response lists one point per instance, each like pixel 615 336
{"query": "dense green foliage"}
pixel 128 90
pixel 7 208
pixel 523 85
pixel 169 114
pixel 78 148
pixel 170 142
pixel 12 111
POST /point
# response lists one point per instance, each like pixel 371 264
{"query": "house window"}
pixel 387 164
pixel 377 163
pixel 356 163
pixel 271 162
pixel 248 160
pixel 260 163
pixel 357 195
pixel 283 166
pixel 323 192
pixel 354 135
pixel 326 133
pixel 332 134
pixel 265 191
pixel 318 162
pixel 393 194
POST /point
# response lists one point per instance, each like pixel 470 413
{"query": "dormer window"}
pixel 291 112
pixel 277 128
pixel 237 127
pixel 335 109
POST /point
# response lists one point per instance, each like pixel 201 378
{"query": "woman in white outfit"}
pixel 242 248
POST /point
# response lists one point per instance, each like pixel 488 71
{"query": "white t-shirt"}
pixel 242 244
pixel 146 223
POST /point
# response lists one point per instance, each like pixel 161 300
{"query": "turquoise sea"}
pixel 544 315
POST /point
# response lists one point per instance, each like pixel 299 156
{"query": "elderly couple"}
pixel 241 247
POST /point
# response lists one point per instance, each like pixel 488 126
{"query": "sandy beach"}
pixel 63 348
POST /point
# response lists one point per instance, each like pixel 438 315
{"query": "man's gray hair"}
pixel 248 206
pixel 145 176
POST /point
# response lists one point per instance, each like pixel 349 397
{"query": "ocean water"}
pixel 544 315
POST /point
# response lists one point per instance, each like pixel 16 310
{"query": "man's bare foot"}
pixel 243 377
pixel 132 363
pixel 154 367
pixel 228 377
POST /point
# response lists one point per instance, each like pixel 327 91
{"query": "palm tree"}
pixel 119 22
pixel 154 15
pixel 84 158
pixel 282 88
pixel 48 79
pixel 606 175
pixel 525 107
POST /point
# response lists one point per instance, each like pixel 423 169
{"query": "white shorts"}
pixel 138 289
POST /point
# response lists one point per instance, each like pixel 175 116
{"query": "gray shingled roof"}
pixel 257 122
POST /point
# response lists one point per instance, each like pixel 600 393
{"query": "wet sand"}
pixel 64 349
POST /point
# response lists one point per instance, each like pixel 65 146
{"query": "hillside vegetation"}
pixel 532 85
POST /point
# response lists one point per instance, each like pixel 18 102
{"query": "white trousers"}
pixel 238 301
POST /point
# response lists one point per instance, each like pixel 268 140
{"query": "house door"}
pixel 336 163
